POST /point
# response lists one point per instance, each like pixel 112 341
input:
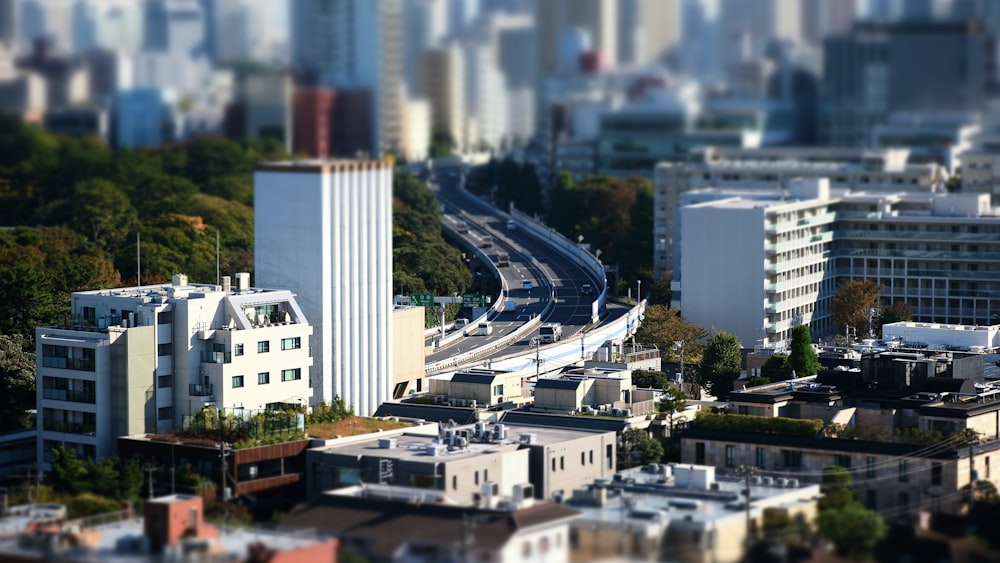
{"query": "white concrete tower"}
pixel 324 230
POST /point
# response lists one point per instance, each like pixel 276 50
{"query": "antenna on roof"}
pixel 138 262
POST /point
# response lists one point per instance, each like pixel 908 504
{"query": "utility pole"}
pixel 225 467
pixel 149 470
pixel 538 358
pixel 746 471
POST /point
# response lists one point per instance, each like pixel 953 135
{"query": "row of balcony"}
pixel 79 364
pixel 917 235
pixel 72 395
pixel 49 425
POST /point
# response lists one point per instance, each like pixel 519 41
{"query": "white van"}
pixel 485 328
pixel 550 332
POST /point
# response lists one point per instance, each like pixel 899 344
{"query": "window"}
pixel 291 374
pixel 543 545
pixel 526 549
pixel 237 349
pixel 730 455
pixel 291 343
pixel 842 460
pixel 562 463
pixel 237 381
pixel 904 474
pixel 699 453
pixel 609 457
pixel 165 413
pixel 165 349
pixel 477 478
pixel 871 472
pixel 553 464
pixel 936 474
pixel 761 458
pixel 791 459
pixel 498 390
pixel 164 381
pixel 583 458
pixel 592 459
pixel 454 482
pixel 263 378
pixel 165 317
pixel 263 346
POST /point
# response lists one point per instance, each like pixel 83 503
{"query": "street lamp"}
pixel 680 375
pixel 638 291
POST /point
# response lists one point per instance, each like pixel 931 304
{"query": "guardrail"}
pixel 572 350
pixel 473 355
pixel 572 250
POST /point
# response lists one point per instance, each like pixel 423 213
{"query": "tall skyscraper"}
pixel 354 44
pixel 425 25
pixel 750 24
pixel 326 234
pixel 598 19
pixel 8 27
pixel 173 25
pixel 648 30
pixel 881 67
pixel 442 83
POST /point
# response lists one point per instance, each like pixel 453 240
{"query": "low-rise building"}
pixel 414 524
pixel 591 391
pixel 145 359
pixel 679 513
pixel 477 387
pixel 172 528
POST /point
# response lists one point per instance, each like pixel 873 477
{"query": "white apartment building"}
pixel 757 265
pixel 324 230
pixel 769 168
pixel 939 253
pixel 138 359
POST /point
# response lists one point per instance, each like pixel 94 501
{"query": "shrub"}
pixel 809 428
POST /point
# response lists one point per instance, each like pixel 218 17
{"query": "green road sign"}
pixel 422 299
pixel 473 300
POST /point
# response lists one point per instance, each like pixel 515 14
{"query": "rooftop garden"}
pixel 810 428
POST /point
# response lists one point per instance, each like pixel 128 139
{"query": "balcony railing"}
pixel 216 357
pixel 79 364
pixel 73 395
pixel 69 427
pixel 198 390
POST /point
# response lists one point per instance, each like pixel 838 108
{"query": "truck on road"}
pixel 503 260
pixel 550 332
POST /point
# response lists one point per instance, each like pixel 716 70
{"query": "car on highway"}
pixel 586 289
pixel 511 225
pixel 525 284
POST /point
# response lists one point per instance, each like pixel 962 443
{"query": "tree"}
pixel 26 299
pixel 897 312
pixel 17 382
pixel 853 303
pixel 671 402
pixel 662 326
pixel 660 293
pixel 720 364
pixel 647 379
pixel 69 473
pixel 803 360
pixel 442 143
pixel 103 213
pixel 638 448
pixel 854 530
pixel 775 369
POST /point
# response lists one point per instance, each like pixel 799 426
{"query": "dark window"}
pixel 291 374
pixel 237 349
pixel 237 381
pixel 165 349
pixel 904 473
pixel 263 378
pixel 699 453
pixel 291 343
pixel 936 474
pixel 871 472
pixel 730 455
pixel 263 346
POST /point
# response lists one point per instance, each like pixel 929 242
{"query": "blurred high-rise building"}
pixel 175 26
pixel 51 20
pixel 107 24
pixel 882 67
pixel 558 19
pixel 425 25
pixel 460 14
pixel 8 27
pixel 746 26
pixel 354 44
pixel 699 42
pixel 442 83
pixel 821 18
pixel 648 30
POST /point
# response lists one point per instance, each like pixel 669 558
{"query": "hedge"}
pixel 809 428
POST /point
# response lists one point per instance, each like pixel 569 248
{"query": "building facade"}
pixel 327 235
pixel 139 360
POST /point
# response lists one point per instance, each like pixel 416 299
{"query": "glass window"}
pixel 263 378
pixel 165 413
pixel 291 374
pixel 291 343
pixel 871 472
pixel 730 455
pixel 237 381
pixel 699 453
pixel 936 474
pixel 237 349
pixel 165 349
pixel 263 346
pixel 904 473
pixel 761 458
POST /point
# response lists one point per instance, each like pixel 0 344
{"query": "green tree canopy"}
pixel 853 303
pixel 803 360
pixel 853 529
pixel 776 368
pixel 637 447
pixel 897 312
pixel 662 327
pixel 17 381
pixel 720 364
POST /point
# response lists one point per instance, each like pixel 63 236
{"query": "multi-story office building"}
pixel 442 82
pixel 939 253
pixel 355 44
pixel 878 68
pixel 138 360
pixel 930 137
pixel 773 167
pixel 325 232
pixel 597 19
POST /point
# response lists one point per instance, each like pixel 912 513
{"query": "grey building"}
pixel 880 67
